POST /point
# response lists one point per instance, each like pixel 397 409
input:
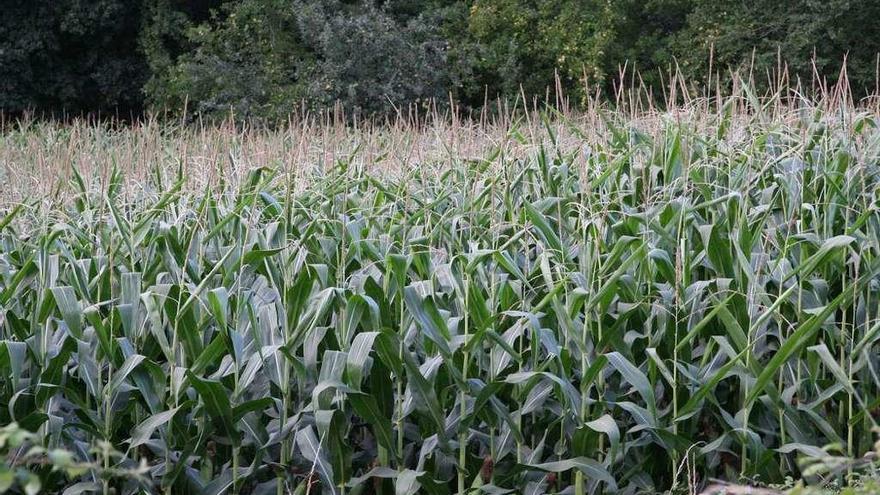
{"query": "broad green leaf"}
pixel 215 398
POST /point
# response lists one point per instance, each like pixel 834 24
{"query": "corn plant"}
pixel 648 309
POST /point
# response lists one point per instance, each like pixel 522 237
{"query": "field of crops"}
pixel 614 302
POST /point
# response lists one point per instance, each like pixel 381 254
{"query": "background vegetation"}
pixel 262 58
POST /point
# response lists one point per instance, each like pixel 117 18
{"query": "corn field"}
pixel 607 303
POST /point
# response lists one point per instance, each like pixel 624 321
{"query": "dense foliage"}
pixel 71 56
pixel 809 36
pixel 669 300
pixel 262 58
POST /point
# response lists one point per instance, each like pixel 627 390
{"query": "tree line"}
pixel 263 58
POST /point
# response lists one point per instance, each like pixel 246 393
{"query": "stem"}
pixel 399 397
pixel 108 399
pixel 234 470
pixel 679 302
pixel 285 444
pixel 462 435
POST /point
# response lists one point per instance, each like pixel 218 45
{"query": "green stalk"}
pixel 175 348
pixel 235 461
pixel 848 337
pixel 520 349
pixel 289 184
pixel 108 399
pixel 236 448
pixel 340 283
pixel 462 436
pixel 399 384
pixel 783 327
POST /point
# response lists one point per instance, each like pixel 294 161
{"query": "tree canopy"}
pixel 263 58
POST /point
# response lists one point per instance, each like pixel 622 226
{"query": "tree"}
pixel 369 61
pixel 263 58
pixel 258 59
pixel 245 60
pixel 803 33
pixel 643 31
pixel 528 42
pixel 71 56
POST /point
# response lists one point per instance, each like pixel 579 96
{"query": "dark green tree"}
pixel 372 61
pixel 527 43
pixel 245 59
pixel 261 58
pixel 264 58
pixel 801 34
pixel 71 56
pixel 642 42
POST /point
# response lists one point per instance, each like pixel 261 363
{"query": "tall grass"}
pixel 614 301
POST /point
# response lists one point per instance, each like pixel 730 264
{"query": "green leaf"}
pixel 311 450
pixel 215 398
pixel 425 312
pixel 590 468
pixel 365 406
pixel 634 377
pixel 70 309
pixel 144 430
